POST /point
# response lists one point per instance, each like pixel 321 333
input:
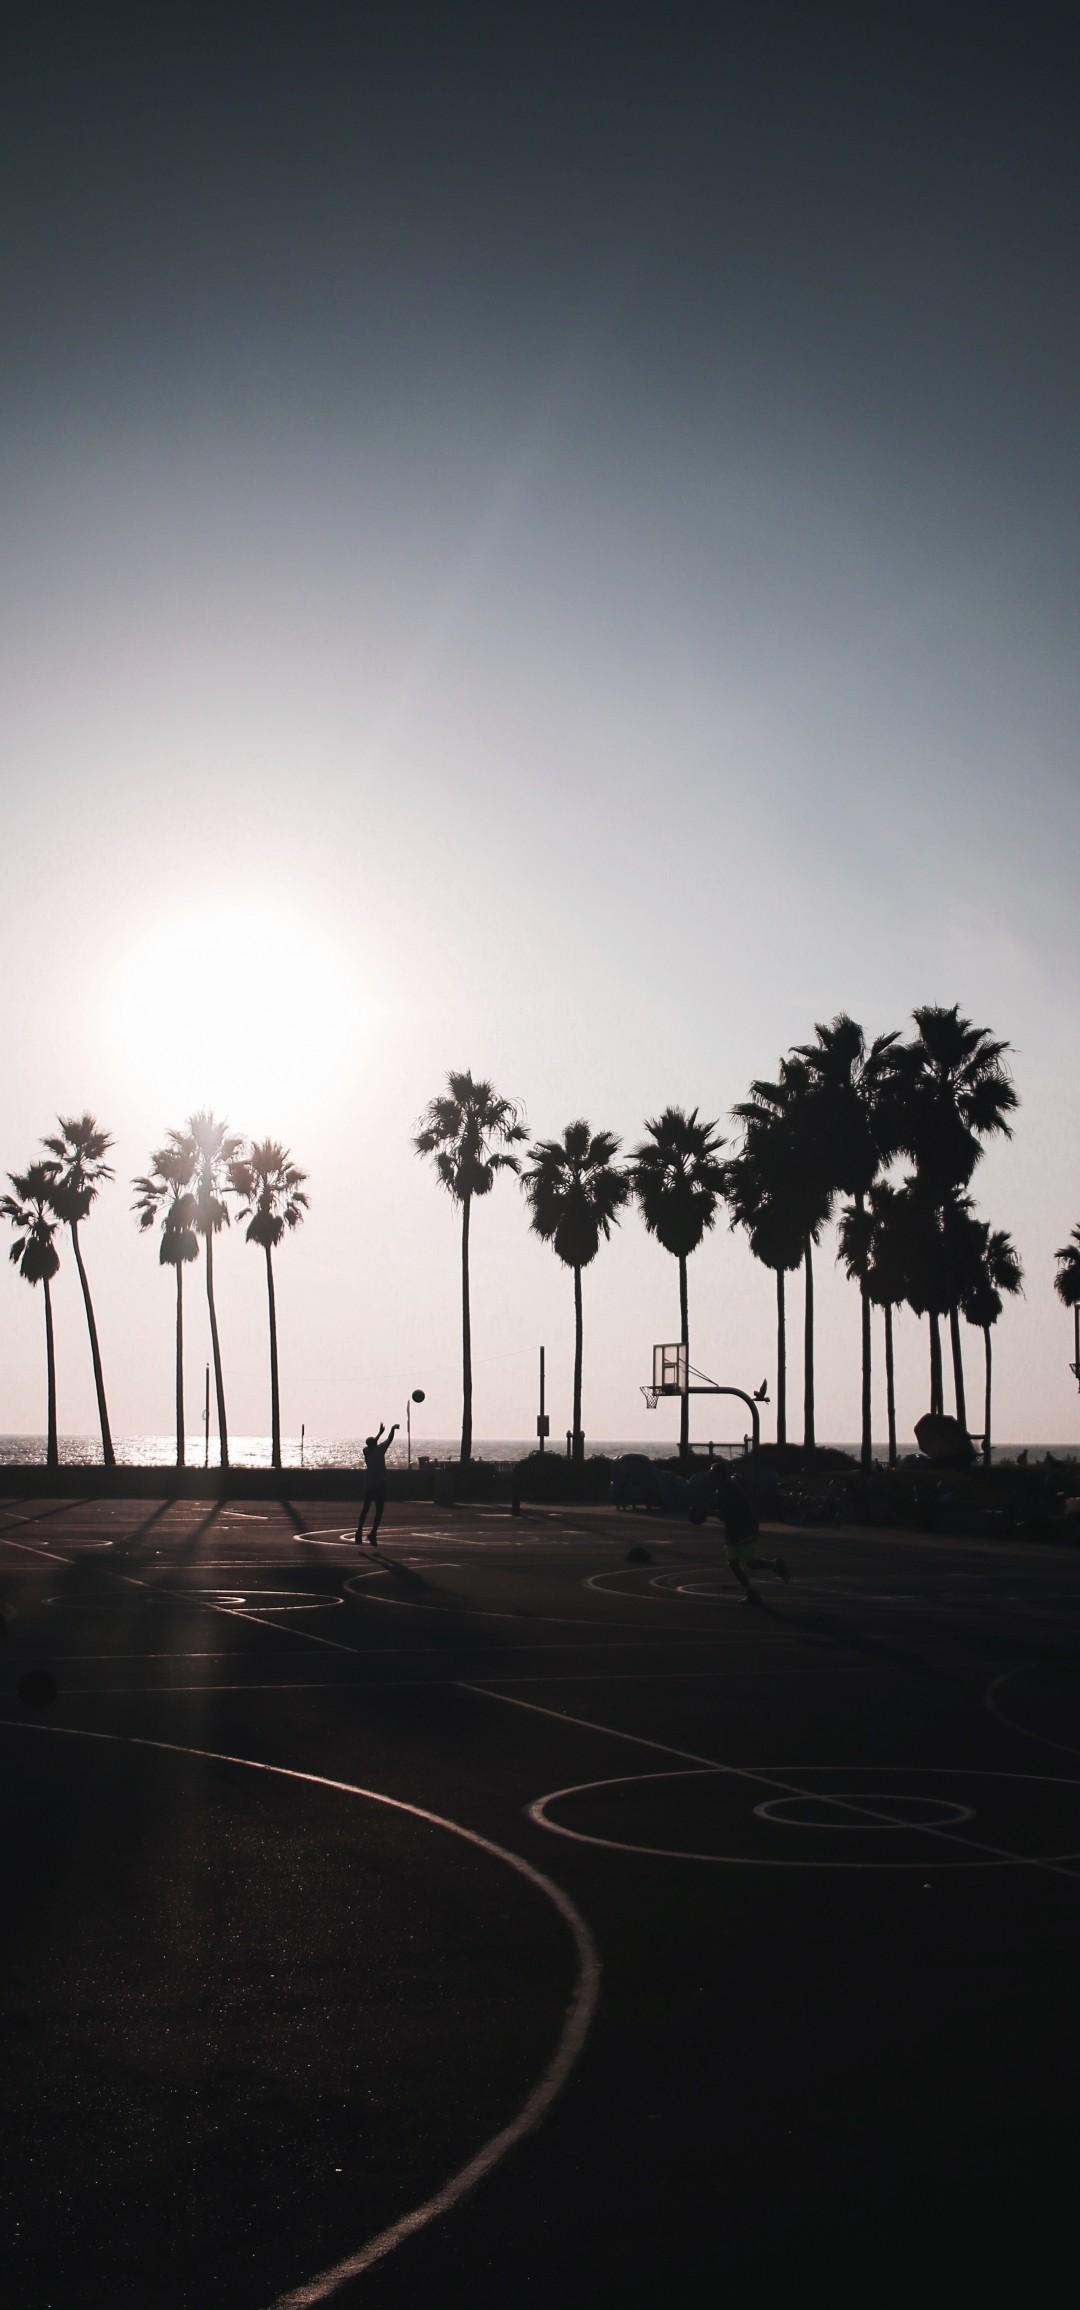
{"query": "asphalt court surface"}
pixel 500 1915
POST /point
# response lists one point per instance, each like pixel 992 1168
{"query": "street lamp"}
pixel 417 1397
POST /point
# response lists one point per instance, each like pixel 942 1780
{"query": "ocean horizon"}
pixel 347 1452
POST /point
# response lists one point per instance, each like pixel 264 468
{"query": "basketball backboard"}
pixel 670 1368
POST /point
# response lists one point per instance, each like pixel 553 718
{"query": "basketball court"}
pixel 501 1915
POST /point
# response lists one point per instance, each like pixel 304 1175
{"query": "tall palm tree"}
pixel 853 1086
pixel 270 1188
pixel 955 1093
pixel 962 1255
pixel 938 1244
pixel 216 1148
pixel 35 1255
pixel 165 1193
pixel 759 1196
pixel 575 1194
pixel 887 1281
pixel 678 1182
pixel 467 1131
pixel 999 1270
pixel 1067 1287
pixel 781 1125
pixel 78 1152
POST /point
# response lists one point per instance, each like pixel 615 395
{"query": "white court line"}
pixel 44 1554
pixel 549 2085
pixel 788 1788
pixel 990 1703
pixel 456 1611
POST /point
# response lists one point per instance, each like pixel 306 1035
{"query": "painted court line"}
pixel 767 1780
pixel 549 2085
pixel 993 1705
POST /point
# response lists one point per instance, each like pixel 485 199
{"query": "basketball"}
pixel 418 1395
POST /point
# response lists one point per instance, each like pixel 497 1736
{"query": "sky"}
pixel 545 541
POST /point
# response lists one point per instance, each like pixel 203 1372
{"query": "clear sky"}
pixel 543 541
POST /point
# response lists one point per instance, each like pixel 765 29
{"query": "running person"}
pixel 375 1450
pixel 739 1519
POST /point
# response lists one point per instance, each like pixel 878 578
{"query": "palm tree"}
pixel 780 1121
pixel 467 1132
pixel 999 1271
pixel 216 1148
pixel 35 1255
pixel 575 1195
pixel 887 1281
pixel 678 1183
pixel 270 1189
pixel 917 1222
pixel 853 1086
pixel 1067 1287
pixel 954 1094
pixel 165 1193
pixel 79 1167
pixel 962 1254
pixel 759 1195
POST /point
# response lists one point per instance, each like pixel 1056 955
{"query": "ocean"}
pixel 347 1452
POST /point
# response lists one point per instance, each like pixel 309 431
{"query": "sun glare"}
pixel 244 1006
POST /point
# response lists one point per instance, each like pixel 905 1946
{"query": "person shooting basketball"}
pixel 376 1448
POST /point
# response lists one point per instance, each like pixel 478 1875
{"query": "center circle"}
pixel 864 1810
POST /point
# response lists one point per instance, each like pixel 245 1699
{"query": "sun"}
pixel 243 1004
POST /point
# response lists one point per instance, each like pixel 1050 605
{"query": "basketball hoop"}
pixel 652 1397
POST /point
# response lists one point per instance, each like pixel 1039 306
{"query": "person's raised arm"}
pixel 392 1434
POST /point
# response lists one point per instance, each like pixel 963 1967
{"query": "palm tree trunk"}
pixel 52 1448
pixel 684 1401
pixel 890 1385
pixel 180 1440
pixel 107 1453
pixel 986 1403
pixel 466 1337
pixel 275 1400
pixel 781 1359
pixel 866 1447
pixel 958 1367
pixel 578 1440
pixel 937 1385
pixel 219 1384
pixel 809 1436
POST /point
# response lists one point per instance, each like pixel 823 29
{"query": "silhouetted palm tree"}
pixel 165 1194
pixel 270 1188
pixel 1067 1287
pixel 999 1271
pixel 78 1151
pixel 853 1085
pixel 780 1122
pixel 216 1148
pixel 887 1281
pixel 917 1219
pixel 955 1094
pixel 678 1182
pixel 575 1194
pixel 467 1132
pixel 962 1252
pixel 35 1255
pixel 760 1195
